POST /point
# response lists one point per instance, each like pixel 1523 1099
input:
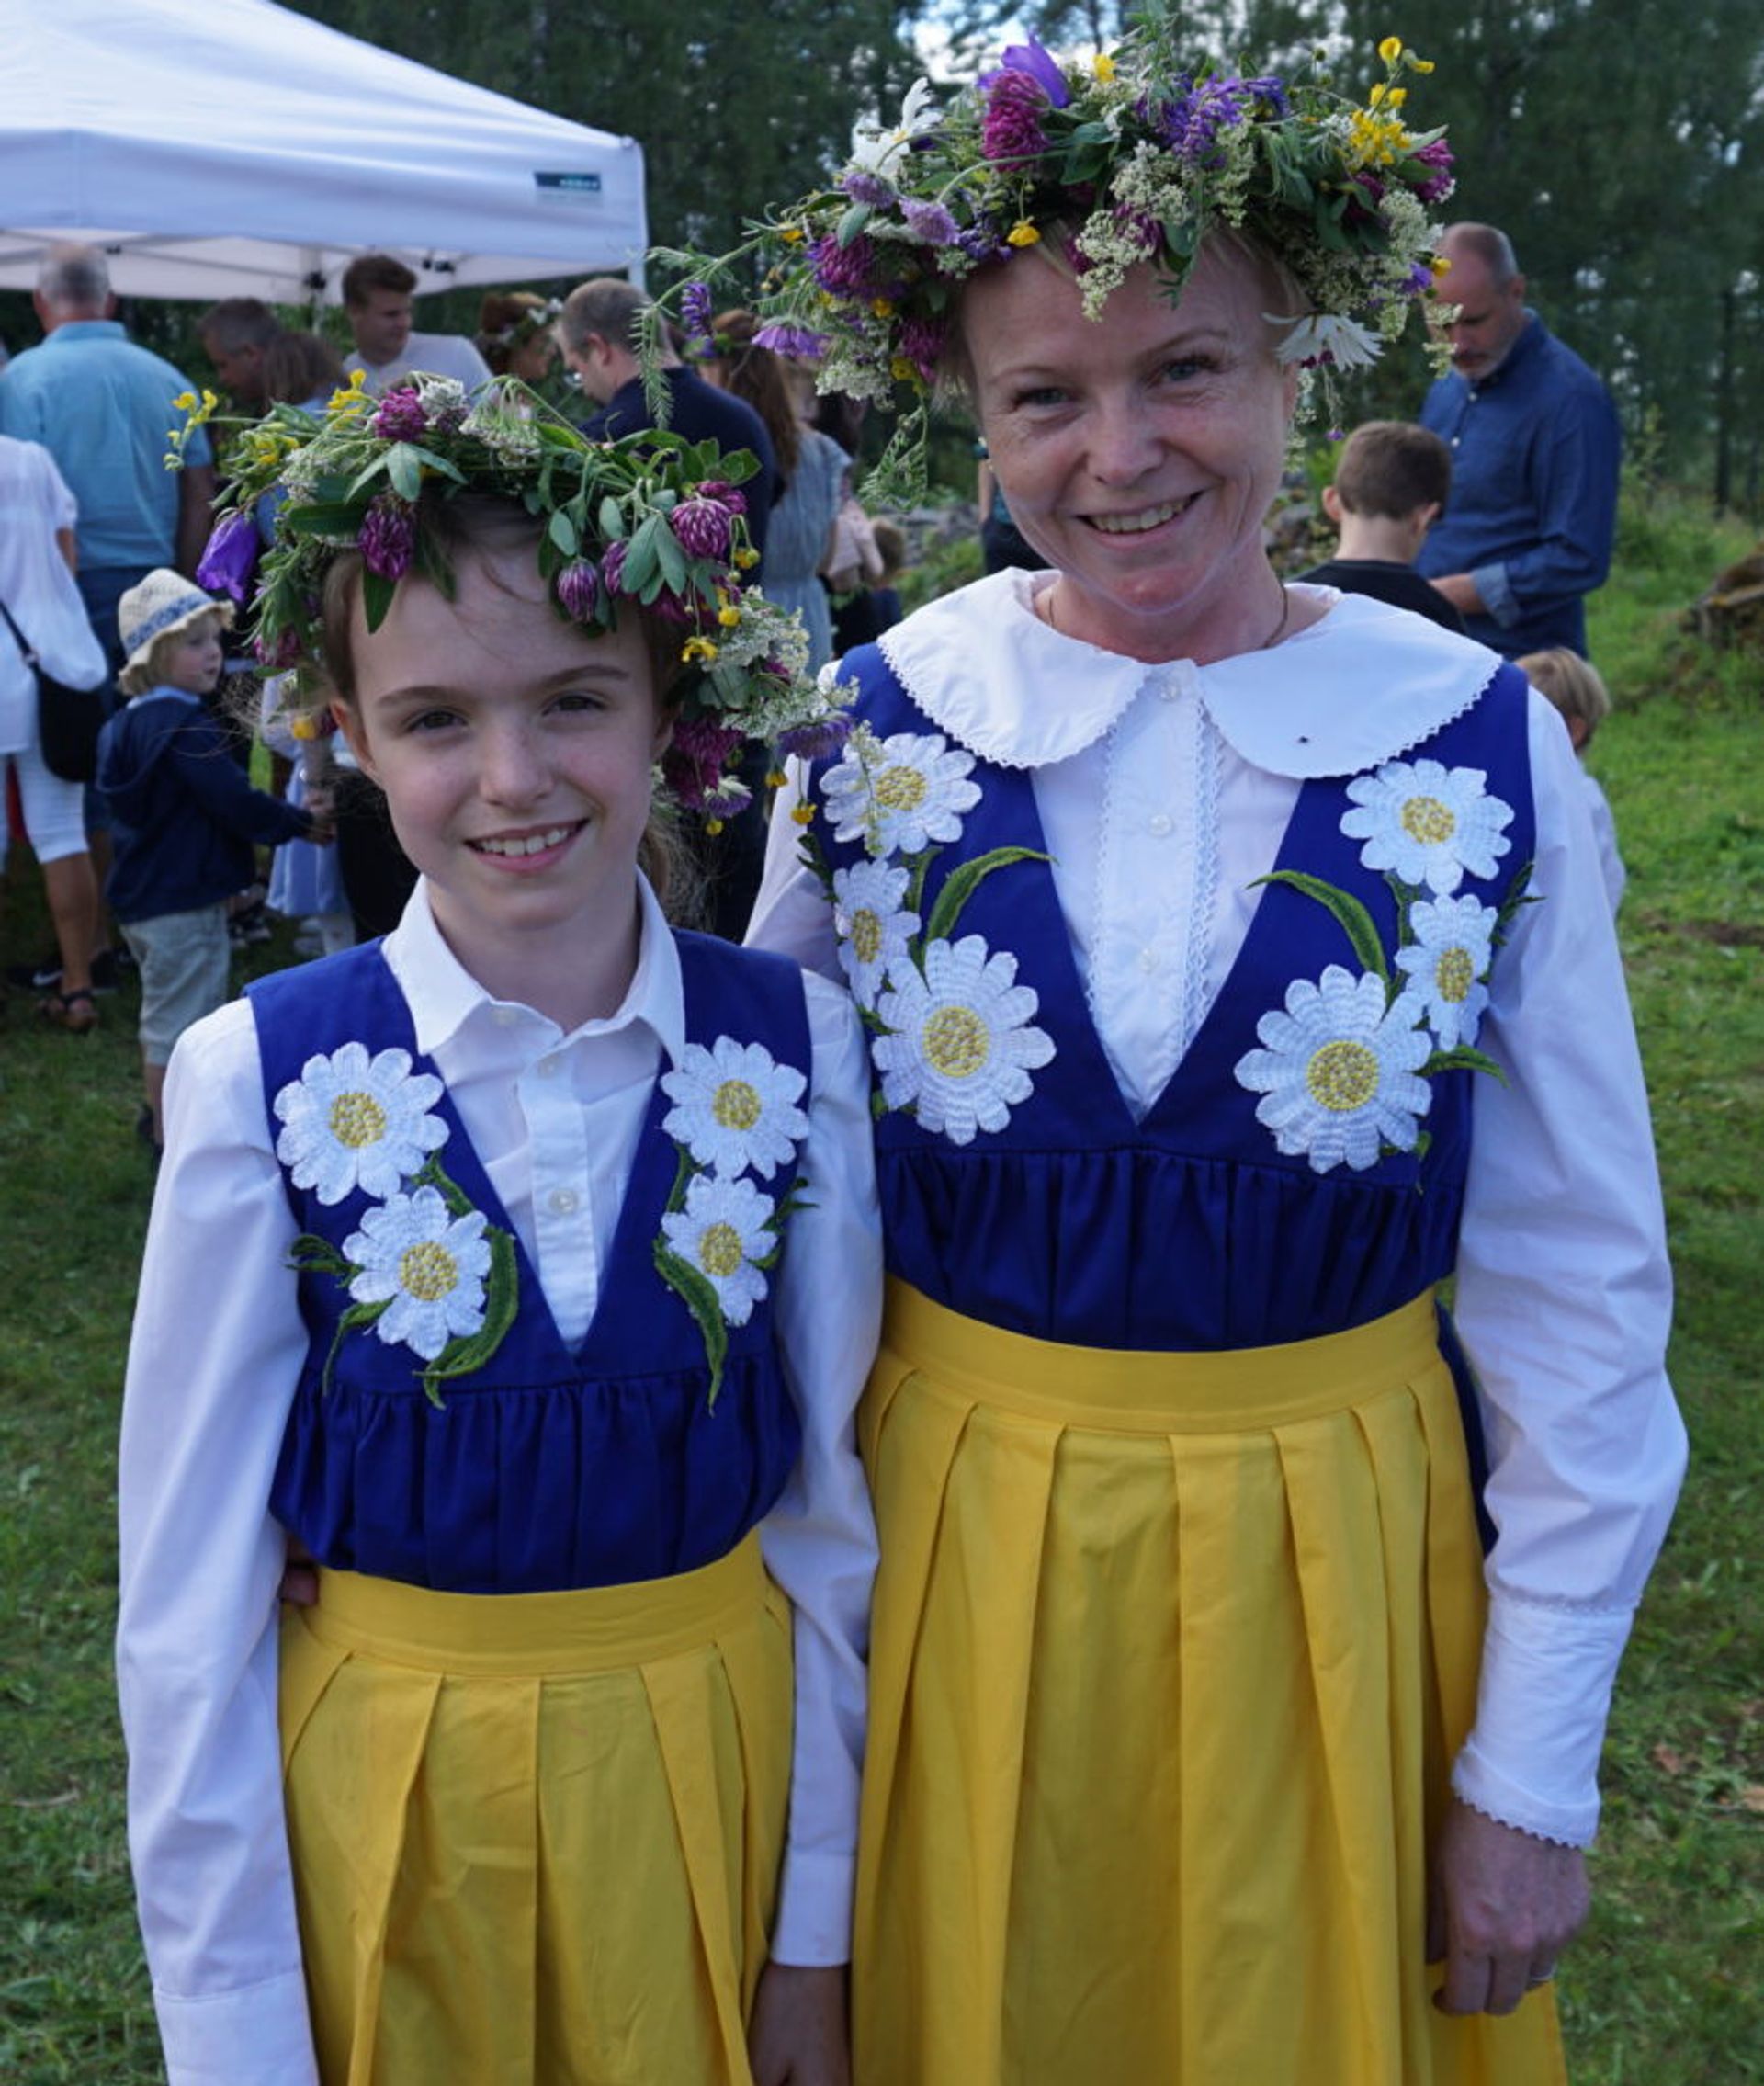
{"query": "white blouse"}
pixel 217 1350
pixel 38 589
pixel 1164 792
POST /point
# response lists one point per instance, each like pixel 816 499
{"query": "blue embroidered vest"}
pixel 1190 1229
pixel 550 1467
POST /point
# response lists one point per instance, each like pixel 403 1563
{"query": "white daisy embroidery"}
pixel 721 1232
pixel 735 1108
pixel 350 1121
pixel 961 1050
pixel 874 929
pixel 1445 966
pixel 428 1267
pixel 1427 823
pixel 1338 1072
pixel 899 794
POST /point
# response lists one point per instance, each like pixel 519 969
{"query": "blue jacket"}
pixel 1535 450
pixel 186 816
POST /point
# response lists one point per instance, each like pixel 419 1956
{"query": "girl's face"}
pixel 193 659
pixel 514 750
pixel 531 361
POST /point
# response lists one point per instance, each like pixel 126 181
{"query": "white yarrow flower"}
pixel 723 1230
pixel 877 149
pixel 899 794
pixel 960 1050
pixel 430 1264
pixel 874 928
pixel 351 1121
pixel 735 1108
pixel 1428 824
pixel 1445 964
pixel 1338 1072
pixel 1325 339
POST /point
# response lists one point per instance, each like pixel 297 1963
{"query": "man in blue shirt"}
pixel 101 406
pixel 1535 450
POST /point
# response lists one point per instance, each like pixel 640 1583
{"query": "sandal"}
pixel 76 1012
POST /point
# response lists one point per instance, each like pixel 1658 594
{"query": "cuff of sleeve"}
pixel 1496 593
pixel 262 2031
pixel 1533 1760
pixel 813 1928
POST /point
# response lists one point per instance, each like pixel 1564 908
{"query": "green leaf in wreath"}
pixel 1354 920
pixel 404 467
pixel 696 1290
pixel 377 593
pixel 960 885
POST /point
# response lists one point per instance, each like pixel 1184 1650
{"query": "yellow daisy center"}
pixel 901 788
pixel 357 1119
pixel 428 1271
pixel 736 1106
pixel 1453 974
pixel 956 1042
pixel 719 1250
pixel 1429 821
pixel 1342 1076
pixel 866 934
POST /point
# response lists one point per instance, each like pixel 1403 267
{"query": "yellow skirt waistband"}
pixel 596 1629
pixel 1133 1391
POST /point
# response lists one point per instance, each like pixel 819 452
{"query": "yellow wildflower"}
pixel 1391 50
pixel 1420 64
pixel 791 235
pixel 1398 96
pixel 804 814
pixel 1379 90
pixel 1440 266
pixel 776 779
pixel 185 402
pixel 903 371
pixel 746 559
pixel 303 726
pixel 350 398
pixel 209 401
pixel 713 827
pixel 695 649
pixel 1022 234
pixel 1102 65
pixel 882 307
pixel 729 616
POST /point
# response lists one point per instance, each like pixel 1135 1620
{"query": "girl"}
pixel 550 1278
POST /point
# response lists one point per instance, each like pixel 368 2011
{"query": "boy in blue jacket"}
pixel 186 816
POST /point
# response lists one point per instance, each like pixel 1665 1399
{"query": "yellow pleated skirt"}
pixel 1169 1659
pixel 536 1838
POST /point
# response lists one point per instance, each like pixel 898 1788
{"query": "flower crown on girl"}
pixel 1135 156
pixel 649 522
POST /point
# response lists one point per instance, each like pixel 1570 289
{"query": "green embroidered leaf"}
pixel 961 885
pixel 1355 921
pixel 472 1351
pixel 878 1108
pixel 310 1255
pixel 920 867
pixel 353 1320
pixel 1516 895
pixel 700 1299
pixel 1463 1060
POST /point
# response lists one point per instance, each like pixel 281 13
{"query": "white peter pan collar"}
pixel 1361 685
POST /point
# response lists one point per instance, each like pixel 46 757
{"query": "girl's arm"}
pixel 216 1352
pixel 819 1541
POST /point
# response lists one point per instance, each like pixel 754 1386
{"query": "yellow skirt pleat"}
pixel 536 1838
pixel 1170 1657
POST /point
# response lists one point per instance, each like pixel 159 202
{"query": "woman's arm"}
pixel 215 1351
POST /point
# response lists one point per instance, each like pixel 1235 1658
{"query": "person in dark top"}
pixel 598 334
pixel 1391 484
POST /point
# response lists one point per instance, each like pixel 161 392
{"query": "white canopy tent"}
pixel 231 148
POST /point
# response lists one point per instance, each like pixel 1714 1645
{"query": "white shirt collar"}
pixel 1361 685
pixel 443 995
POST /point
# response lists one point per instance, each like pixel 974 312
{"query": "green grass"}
pixel 1668 1986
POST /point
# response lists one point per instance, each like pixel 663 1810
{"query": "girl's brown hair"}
pixel 500 311
pixel 298 367
pixel 756 375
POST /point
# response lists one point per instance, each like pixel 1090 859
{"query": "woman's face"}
pixel 1140 453
pixel 531 361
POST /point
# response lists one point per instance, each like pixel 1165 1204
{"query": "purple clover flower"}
pixel 693 763
pixel 790 340
pixel 724 494
pixel 579 590
pixel 923 342
pixel 845 271
pixel 701 529
pixel 1011 130
pixel 387 539
pixel 1438 155
pixel 817 740
pixel 612 567
pixel 231 556
pixel 863 186
pixel 1192 125
pixel 728 799
pixel 399 417
pixel 931 222
pixel 1030 61
pixel 281 655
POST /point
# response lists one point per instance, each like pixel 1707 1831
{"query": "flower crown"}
pixel 649 522
pixel 1134 157
pixel 533 319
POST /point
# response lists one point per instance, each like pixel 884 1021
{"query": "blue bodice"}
pixel 548 1468
pixel 1190 1230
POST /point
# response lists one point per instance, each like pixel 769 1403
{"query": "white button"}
pixel 563 1200
pixel 1147 959
pixel 504 1017
pixel 1160 823
pixel 548 1067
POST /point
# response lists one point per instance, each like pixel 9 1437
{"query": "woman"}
pixel 514 334
pixel 1185 909
pixel 814 469
pixel 40 606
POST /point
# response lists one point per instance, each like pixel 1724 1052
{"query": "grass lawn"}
pixel 1668 1986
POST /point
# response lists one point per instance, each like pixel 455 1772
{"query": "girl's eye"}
pixel 580 699
pixel 432 721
